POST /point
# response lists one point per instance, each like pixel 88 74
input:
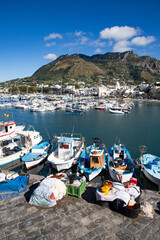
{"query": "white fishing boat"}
pixel 15 146
pixel 9 128
pixel 37 109
pixel 67 151
pixel 116 110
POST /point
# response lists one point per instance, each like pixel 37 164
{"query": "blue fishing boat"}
pixel 36 155
pixel 150 166
pixel 120 164
pixel 92 159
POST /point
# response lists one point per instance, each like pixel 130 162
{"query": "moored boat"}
pixel 15 146
pixel 67 151
pixel 36 155
pixel 120 164
pixel 100 107
pixel 116 110
pixel 150 166
pixel 92 159
pixel 8 128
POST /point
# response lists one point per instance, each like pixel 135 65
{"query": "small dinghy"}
pixel 92 159
pixel 36 155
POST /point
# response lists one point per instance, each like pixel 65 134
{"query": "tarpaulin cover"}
pixel 48 193
pixel 42 197
pixel 10 188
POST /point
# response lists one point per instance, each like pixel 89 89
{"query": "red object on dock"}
pixel 133 181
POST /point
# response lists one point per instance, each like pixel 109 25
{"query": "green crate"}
pixel 76 191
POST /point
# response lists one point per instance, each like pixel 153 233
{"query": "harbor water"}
pixel 140 127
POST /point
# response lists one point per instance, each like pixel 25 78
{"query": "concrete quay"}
pixel 76 218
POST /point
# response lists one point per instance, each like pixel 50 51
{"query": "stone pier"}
pixel 76 218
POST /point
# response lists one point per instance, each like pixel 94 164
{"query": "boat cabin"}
pixel 65 148
pixel 118 152
pixel 7 128
pixel 96 158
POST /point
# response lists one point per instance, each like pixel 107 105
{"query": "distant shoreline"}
pixel 142 100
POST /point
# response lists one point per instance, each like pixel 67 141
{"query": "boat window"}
pixel 116 151
pixel 64 145
pixel 1 128
pixel 95 160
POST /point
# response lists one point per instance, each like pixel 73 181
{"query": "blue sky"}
pixel 35 32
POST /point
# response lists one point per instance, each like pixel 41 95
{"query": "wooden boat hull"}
pixel 35 162
pixel 150 177
pixel 120 176
pixel 121 167
pixel 91 176
pixel 150 166
pixel 61 164
pixel 86 167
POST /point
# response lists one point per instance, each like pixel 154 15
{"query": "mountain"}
pixel 106 68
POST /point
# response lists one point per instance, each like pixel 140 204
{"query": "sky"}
pixel 36 32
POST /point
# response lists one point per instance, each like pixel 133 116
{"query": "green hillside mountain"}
pixel 106 68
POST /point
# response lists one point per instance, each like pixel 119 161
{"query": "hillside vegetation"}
pixel 106 68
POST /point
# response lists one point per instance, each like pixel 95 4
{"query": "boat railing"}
pixel 76 136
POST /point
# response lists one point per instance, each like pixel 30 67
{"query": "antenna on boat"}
pixel 116 139
pixel 142 149
pixel 12 116
pixel 48 134
pixel 72 131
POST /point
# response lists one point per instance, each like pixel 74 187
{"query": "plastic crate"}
pixel 76 191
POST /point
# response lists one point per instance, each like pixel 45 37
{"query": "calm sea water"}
pixel 140 127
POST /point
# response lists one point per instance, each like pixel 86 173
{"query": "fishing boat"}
pixel 116 110
pixel 8 128
pixel 92 159
pixel 120 164
pixel 150 166
pixel 36 155
pixel 100 107
pixel 66 152
pixel 73 109
pixel 15 146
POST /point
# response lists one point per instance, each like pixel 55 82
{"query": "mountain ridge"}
pixel 126 67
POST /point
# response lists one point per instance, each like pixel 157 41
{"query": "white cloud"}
pixel 50 44
pixel 110 42
pixel 78 33
pixel 84 40
pixel 50 56
pixel 70 44
pixel 143 41
pixel 98 50
pixel 122 46
pixel 53 36
pixel 119 33
pixel 98 43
